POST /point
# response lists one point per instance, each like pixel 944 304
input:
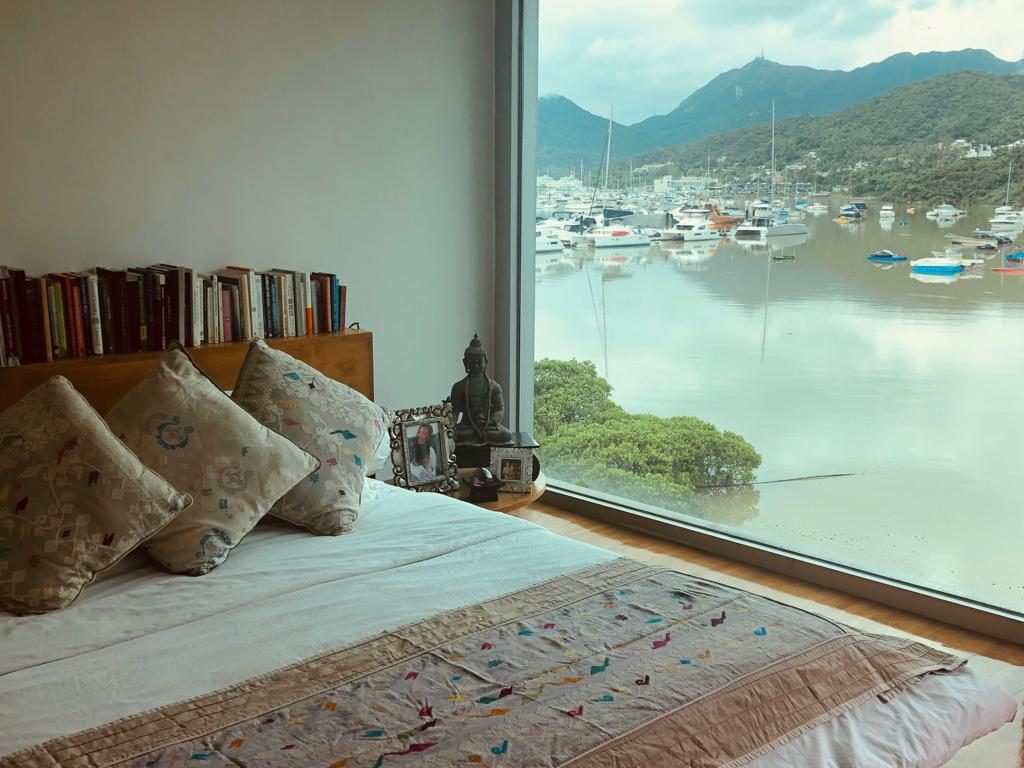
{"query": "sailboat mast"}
pixel 608 151
pixel 1008 174
pixel 771 197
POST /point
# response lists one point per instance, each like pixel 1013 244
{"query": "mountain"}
pixel 896 144
pixel 567 133
pixel 742 97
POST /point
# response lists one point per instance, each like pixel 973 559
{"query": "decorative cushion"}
pixel 330 420
pixel 73 499
pixel 181 425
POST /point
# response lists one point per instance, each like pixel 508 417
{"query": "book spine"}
pixel 31 328
pixel 211 330
pixel 7 310
pixel 225 312
pixel 77 326
pixel 198 304
pixel 310 325
pixel 20 314
pixel 60 304
pixel 275 308
pixel 3 349
pixel 44 310
pixel 188 297
pixel 315 301
pixel 245 317
pixel 83 296
pixel 256 304
pixel 160 301
pixel 300 304
pixel 289 304
pixel 335 305
pixel 95 322
pixel 343 305
pixel 103 289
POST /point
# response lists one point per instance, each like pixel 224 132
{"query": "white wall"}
pixel 352 137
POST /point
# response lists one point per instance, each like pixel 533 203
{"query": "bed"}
pixel 437 633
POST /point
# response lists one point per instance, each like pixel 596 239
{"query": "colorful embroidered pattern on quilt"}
pixel 618 664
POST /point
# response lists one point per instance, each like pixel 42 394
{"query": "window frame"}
pixel 516 68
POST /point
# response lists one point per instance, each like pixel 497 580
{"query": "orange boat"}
pixel 1009 270
pixel 719 220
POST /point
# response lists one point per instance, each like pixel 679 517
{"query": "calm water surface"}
pixel 828 364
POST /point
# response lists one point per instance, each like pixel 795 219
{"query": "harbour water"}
pixel 827 364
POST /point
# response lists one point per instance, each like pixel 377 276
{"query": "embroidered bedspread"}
pixel 619 664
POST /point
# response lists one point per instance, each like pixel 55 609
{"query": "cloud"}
pixel 645 56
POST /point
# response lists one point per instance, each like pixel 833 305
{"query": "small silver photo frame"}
pixel 514 467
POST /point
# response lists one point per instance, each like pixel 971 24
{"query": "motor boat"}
pixel 547 243
pixel 886 256
pixel 617 237
pixel 762 224
pixel 887 211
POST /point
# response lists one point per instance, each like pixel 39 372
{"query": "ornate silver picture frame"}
pixel 423 448
pixel 514 467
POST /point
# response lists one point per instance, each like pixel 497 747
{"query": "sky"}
pixel 645 56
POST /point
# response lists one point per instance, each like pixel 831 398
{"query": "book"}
pixel 7 318
pixel 74 308
pixel 335 304
pixel 95 323
pixel 44 310
pixel 342 304
pixel 57 302
pixel 308 303
pixel 300 304
pixel 286 298
pixel 225 307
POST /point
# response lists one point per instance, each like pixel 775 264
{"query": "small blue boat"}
pixel 886 257
pixel 1015 256
pixel 937 266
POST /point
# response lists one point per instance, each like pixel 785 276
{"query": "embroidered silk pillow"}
pixel 330 420
pixel 181 425
pixel 73 499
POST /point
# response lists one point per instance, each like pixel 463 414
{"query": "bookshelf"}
pixel 99 312
pixel 345 355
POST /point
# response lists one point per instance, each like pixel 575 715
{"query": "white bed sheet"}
pixel 284 595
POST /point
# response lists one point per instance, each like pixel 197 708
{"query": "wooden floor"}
pixel 1000 660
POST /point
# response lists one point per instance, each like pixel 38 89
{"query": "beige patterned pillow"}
pixel 330 420
pixel 184 427
pixel 73 499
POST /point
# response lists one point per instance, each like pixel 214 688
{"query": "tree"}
pixel 568 392
pixel 589 440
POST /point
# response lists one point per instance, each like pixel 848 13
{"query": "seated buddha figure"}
pixel 477 405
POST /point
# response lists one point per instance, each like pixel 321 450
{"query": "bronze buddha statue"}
pixel 477 405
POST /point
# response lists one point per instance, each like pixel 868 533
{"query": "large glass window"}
pixel 779 280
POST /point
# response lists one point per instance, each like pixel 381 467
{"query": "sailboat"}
pixel 1005 217
pixel 762 221
pixel 615 236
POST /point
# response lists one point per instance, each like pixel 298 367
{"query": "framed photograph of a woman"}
pixel 423 448
pixel 514 467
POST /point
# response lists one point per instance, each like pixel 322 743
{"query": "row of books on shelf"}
pixel 106 311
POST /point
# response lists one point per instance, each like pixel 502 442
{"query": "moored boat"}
pixel 885 256
pixel 617 237
pixel 887 211
pixel 937 265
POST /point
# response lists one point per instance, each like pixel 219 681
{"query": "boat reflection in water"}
pixel 693 257
pixel 935 279
pixel 775 245
pixel 618 263
pixel 553 266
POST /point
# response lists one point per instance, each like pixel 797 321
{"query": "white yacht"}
pixel 691 231
pixel 546 242
pixel 945 211
pixel 887 211
pixel 1006 218
pixel 617 237
pixel 816 208
pixel 762 224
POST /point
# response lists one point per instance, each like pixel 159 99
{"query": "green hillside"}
pixel 901 140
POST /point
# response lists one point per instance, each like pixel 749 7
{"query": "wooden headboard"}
pixel 346 356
